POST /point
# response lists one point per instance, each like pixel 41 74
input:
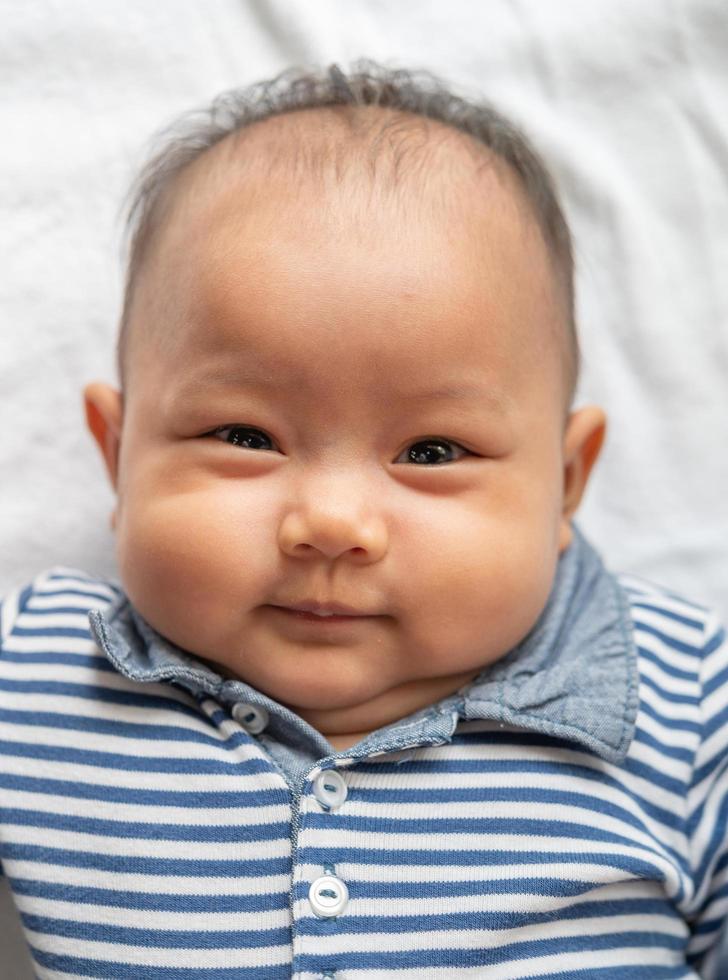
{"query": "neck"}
pixel 343 727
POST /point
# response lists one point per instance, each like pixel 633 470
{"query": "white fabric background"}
pixel 625 98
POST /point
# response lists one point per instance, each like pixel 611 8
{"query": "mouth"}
pixel 322 618
pixel 327 615
pixel 324 609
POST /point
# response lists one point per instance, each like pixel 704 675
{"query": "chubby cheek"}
pixel 485 590
pixel 193 563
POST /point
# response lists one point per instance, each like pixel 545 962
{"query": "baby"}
pixel 365 704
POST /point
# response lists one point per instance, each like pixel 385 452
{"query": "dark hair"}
pixel 417 93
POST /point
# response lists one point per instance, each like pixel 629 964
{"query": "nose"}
pixel 333 520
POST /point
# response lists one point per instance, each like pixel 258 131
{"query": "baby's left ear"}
pixel 583 441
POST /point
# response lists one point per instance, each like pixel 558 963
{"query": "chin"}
pixel 332 696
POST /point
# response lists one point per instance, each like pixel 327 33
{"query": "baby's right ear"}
pixel 104 415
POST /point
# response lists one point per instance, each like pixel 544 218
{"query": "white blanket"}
pixel 626 99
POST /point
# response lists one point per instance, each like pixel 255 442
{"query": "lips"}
pixel 324 610
pixel 303 625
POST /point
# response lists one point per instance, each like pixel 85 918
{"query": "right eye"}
pixel 243 435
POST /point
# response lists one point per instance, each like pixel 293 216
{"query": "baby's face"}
pixel 356 408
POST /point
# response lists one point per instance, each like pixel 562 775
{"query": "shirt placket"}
pixel 324 896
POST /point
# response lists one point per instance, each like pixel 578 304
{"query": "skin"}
pixel 335 313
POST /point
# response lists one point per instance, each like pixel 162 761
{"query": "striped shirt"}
pixel 564 816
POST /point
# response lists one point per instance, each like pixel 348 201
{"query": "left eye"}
pixel 243 435
pixel 433 452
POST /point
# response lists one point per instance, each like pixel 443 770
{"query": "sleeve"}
pixel 4 614
pixel 708 813
pixel 10 606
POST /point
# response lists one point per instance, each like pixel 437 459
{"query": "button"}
pixel 328 896
pixel 252 717
pixel 330 789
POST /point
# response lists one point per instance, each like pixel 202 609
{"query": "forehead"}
pixel 360 160
pixel 255 239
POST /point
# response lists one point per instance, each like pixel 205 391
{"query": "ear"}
pixel 583 441
pixel 104 412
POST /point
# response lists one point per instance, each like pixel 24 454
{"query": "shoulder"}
pixel 671 630
pixel 56 600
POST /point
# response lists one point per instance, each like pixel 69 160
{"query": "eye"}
pixel 243 435
pixel 434 452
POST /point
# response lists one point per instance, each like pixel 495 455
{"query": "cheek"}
pixel 481 582
pixel 187 556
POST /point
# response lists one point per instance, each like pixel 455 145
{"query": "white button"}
pixel 328 896
pixel 330 789
pixel 252 717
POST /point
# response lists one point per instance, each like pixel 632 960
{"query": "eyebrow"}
pixel 459 390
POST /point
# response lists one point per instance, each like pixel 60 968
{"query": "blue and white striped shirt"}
pixel 564 816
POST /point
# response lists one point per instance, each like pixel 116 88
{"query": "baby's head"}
pixel 347 359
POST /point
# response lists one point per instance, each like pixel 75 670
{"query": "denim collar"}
pixel 573 677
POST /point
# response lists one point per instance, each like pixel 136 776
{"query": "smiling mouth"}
pixel 324 619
